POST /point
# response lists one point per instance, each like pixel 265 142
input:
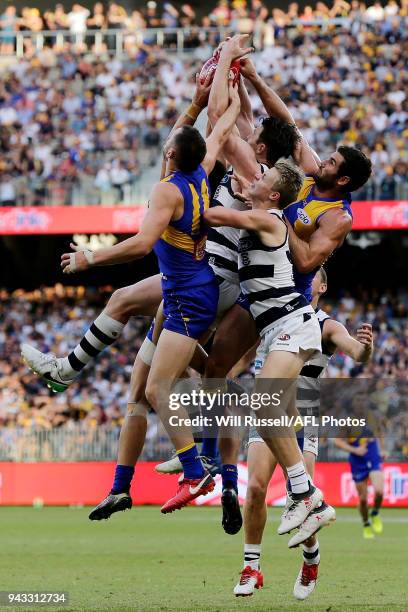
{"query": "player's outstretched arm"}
pixel 334 226
pixel 255 220
pixel 192 112
pixel 222 129
pixel 163 202
pixel 245 120
pixel 230 50
pixel 360 349
pixel 237 151
pixel 355 450
pixel 305 157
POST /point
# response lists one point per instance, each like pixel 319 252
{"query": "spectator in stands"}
pixel 97 21
pixel 8 25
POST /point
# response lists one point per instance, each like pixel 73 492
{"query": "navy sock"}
pixel 191 462
pixel 229 476
pixel 123 479
pixel 210 448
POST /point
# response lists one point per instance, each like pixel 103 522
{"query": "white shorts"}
pixel 296 332
pixel 310 440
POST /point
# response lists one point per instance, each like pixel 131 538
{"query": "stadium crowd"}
pixel 245 16
pixel 82 127
pixel 87 417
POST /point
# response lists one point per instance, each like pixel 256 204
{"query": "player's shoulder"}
pixel 307 185
pixel 322 315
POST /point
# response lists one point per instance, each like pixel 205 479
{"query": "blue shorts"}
pixel 362 466
pixel 243 302
pixel 191 311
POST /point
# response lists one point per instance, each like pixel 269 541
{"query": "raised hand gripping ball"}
pixel 210 67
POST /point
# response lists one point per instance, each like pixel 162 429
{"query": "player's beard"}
pixel 324 182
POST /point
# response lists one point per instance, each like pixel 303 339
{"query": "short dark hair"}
pixel 190 148
pixel 356 166
pixel 279 137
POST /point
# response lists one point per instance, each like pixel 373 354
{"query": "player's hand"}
pixel 78 261
pixel 365 335
pixel 202 90
pixel 248 69
pixel 234 47
pixel 384 455
pixel 360 451
pixel 220 46
pixel 243 186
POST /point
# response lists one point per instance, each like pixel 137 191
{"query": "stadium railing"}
pixel 73 443
pixel 83 442
pixel 178 39
pixel 114 39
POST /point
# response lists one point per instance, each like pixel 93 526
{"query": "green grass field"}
pixel 140 560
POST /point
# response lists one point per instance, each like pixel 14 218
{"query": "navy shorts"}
pixel 362 466
pixel 191 311
pixel 243 302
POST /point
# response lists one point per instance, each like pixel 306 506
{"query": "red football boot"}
pixel 250 580
pixel 188 490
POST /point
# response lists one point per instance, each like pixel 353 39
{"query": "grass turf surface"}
pixel 141 560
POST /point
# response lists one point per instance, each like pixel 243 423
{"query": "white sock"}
pixel 102 333
pixel 299 480
pixel 311 555
pixel 252 556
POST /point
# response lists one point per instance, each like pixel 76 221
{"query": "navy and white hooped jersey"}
pixel 222 242
pixel 308 384
pixel 266 279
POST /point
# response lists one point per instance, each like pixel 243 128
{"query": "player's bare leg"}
pixel 362 491
pixel 131 441
pixel 261 465
pixel 323 515
pixel 377 480
pixel 141 299
pixel 173 354
pixel 284 366
pixel 235 335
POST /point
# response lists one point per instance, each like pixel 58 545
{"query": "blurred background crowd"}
pixel 84 422
pixel 244 16
pixel 85 125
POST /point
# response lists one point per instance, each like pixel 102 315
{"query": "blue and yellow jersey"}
pixel 366 436
pixel 181 248
pixel 304 216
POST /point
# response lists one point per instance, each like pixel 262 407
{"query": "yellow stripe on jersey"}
pixel 167 178
pixel 195 224
pixel 306 187
pixel 178 239
pixel 204 194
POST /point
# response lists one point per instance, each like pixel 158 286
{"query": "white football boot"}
pixel 47 366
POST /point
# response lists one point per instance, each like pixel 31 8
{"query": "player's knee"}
pixel 122 303
pixel 363 499
pixel 256 492
pixel 152 394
